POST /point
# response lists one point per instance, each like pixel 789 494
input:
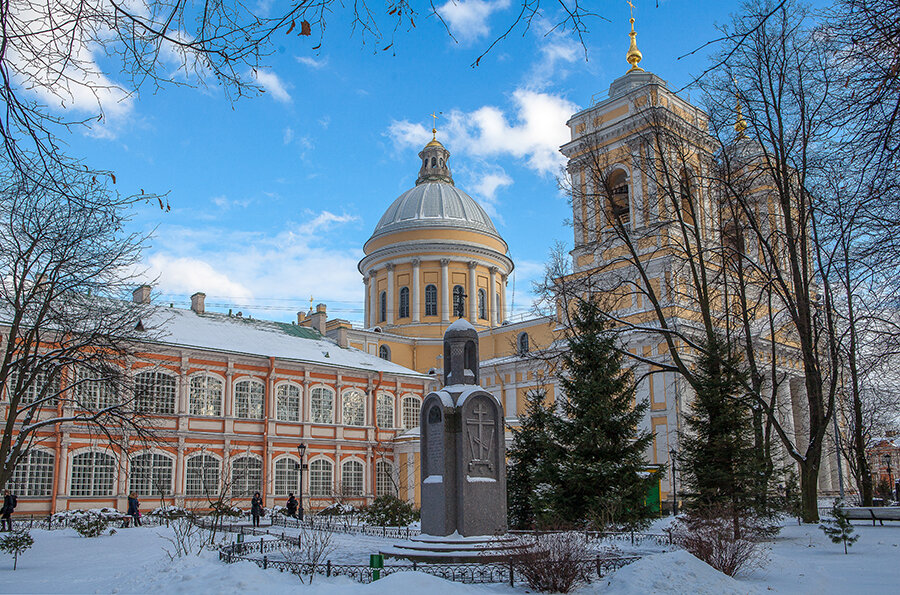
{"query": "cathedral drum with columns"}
pixel 434 256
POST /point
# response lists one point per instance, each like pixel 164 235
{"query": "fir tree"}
pixel 838 528
pixel 532 459
pixel 15 543
pixel 603 477
pixel 719 463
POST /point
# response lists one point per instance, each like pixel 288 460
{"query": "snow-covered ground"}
pixel 134 560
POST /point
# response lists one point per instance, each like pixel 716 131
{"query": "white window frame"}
pixel 249 404
pixel 202 399
pixel 246 478
pixel 205 457
pixel 384 406
pixel 157 469
pixel 31 477
pixel 317 487
pixel 357 416
pixel 356 487
pixel 157 395
pixel 319 413
pixel 94 474
pixel 284 408
pixel 287 476
pixel 407 424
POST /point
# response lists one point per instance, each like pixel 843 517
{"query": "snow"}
pixel 434 479
pixel 471 479
pixel 215 331
pixel 460 324
pixel 674 572
pixel 802 560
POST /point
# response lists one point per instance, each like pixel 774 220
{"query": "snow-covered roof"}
pixel 461 324
pixel 232 334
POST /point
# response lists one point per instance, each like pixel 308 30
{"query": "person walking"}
pixel 291 505
pixel 9 505
pixel 256 508
pixel 134 509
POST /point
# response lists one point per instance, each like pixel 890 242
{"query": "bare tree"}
pixel 67 337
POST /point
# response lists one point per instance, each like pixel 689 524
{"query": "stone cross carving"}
pixel 481 437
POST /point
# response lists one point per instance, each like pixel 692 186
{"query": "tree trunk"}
pixel 809 495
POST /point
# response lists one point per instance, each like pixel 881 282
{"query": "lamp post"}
pixel 301 450
pixel 672 454
pixel 887 461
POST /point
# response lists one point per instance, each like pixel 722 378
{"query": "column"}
pixel 179 471
pixel 373 298
pixel 473 298
pixel 391 307
pixel 415 290
pixel 492 297
pixel 229 393
pixel 502 313
pixel 445 290
pixel 367 320
pixel 182 406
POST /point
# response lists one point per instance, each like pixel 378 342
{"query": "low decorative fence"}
pixel 632 537
pixel 470 572
pixel 52 523
pixel 337 526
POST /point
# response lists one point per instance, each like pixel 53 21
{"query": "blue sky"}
pixel 273 196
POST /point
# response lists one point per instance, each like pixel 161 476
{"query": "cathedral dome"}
pixel 434 204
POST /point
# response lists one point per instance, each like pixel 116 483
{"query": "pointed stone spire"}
pixel 434 162
pixel 634 55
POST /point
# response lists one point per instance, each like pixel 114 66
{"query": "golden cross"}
pixel 310 302
pixel 632 7
pixel 434 120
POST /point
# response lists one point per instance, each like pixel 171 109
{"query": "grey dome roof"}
pixel 435 205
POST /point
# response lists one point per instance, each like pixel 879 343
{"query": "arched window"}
pixel 287 402
pixel 206 395
pixel 39 384
pixel 93 474
pixel 384 479
pixel 354 406
pixel 92 391
pixel 287 476
pixel 482 304
pixel 33 475
pixel 433 162
pixel 321 478
pixel 352 478
pixel 384 352
pixel 430 300
pixel 404 302
pixel 497 311
pixel 202 475
pixel 151 474
pixel 619 205
pixel 523 343
pixel 246 476
pixel 155 392
pixel 410 411
pixel 459 301
pixel 321 403
pixel 248 399
pixel 383 302
pixel 384 410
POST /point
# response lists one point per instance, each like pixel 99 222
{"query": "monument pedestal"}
pixel 456 549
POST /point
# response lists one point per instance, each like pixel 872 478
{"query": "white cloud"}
pixel 303 258
pixel 189 275
pixel 534 131
pixel 288 135
pixel 556 52
pixel 312 62
pixel 468 19
pixel 272 85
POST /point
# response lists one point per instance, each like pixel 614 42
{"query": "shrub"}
pixel 555 562
pixel 90 525
pixel 710 536
pixel 389 510
pixel 15 543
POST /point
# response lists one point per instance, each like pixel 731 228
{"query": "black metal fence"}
pixel 336 525
pixel 52 523
pixel 470 572
pixel 632 537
